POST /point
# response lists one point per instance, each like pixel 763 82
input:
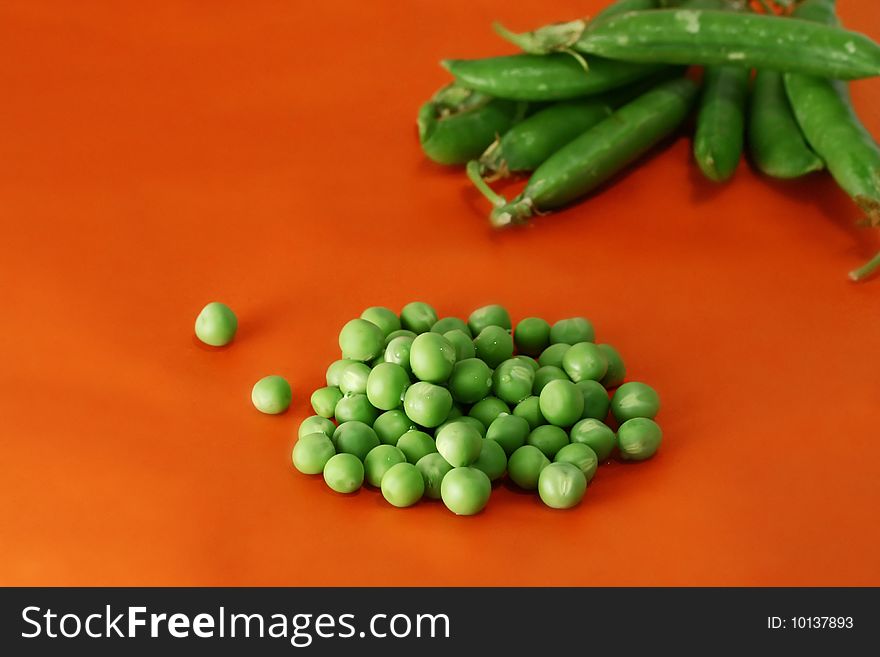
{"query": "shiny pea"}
pixel 532 336
pixel 335 369
pixel 316 424
pixel 492 315
pixel 356 438
pixel 634 399
pixel 311 453
pixel 271 395
pixel 494 345
pixel 596 400
pixel 418 317
pixel 525 465
pixel 465 491
pixel 548 438
pixel 545 375
pixel 561 403
pixel 433 468
pixel 509 431
pixel 464 345
pixel 386 386
pixel 386 319
pixel 471 381
pixel 584 362
pixel 216 324
pixel 474 422
pixel 415 444
pixel 427 404
pixel 553 355
pixel 596 435
pixel 512 381
pixel 379 460
pixel 391 425
pixel 616 372
pixel 356 408
pixel 402 485
pixel 579 455
pixel 529 409
pixel 401 333
pixel 432 357
pixel 492 460
pixel 361 340
pixel 459 443
pixel 528 360
pixel 324 400
pixel 354 379
pixel 344 473
pixel 638 439
pixel 571 331
pixel 398 351
pixel 561 485
pixel 446 324
pixel 487 409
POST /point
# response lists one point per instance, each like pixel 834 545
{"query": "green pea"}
pixel 361 340
pixel 616 372
pixel 391 425
pixel 471 380
pixel 403 485
pixel 553 355
pixel 324 400
pixel 545 375
pixel 530 410
pixel 634 399
pixel 353 380
pixel 528 360
pixel 446 324
pixel 596 400
pixel 459 443
pixel 379 460
pixel 386 386
pixel 487 409
pixel 416 444
pixel 525 465
pixel 344 473
pixel 492 315
pixel 427 404
pixel 432 357
pixel 584 362
pixel 474 422
pixel 532 336
pixel 271 395
pixel 579 455
pixel 494 345
pixel 561 485
pixel 356 408
pixel 418 317
pixel 311 453
pixel 433 468
pixel 355 438
pixel 334 371
pixel 465 491
pixel 398 351
pixel 572 331
pixel 548 438
pixel 386 319
pixel 561 403
pixel 509 431
pixel 316 424
pixel 596 435
pixel 402 333
pixel 512 380
pixel 464 345
pixel 216 324
pixel 492 460
pixel 638 439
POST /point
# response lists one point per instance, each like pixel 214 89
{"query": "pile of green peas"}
pixel 423 406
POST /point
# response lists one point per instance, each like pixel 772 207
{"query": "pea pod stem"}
pixel 474 173
pixel 863 272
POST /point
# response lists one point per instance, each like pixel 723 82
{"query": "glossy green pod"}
pixel 718 140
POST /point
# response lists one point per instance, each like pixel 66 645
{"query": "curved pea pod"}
pixel 597 154
pixel 776 143
pixel 457 124
pixel 721 118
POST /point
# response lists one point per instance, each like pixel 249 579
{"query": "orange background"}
pixel 264 154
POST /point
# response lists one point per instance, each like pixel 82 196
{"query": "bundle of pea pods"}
pixel 587 98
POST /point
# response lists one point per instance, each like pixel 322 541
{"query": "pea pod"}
pixel 721 119
pixel 776 143
pixel 596 155
pixel 457 124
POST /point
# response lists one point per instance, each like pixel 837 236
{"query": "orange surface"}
pixel 263 154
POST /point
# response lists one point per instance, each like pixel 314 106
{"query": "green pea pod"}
pixel 825 113
pixel 597 154
pixel 718 140
pixel 457 124
pixel 776 143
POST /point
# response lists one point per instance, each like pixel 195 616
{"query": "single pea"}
pixel 528 360
pixel 494 345
pixel 354 379
pixel 379 460
pixel 403 485
pixel 361 340
pixel 459 443
pixel 616 373
pixel 548 438
pixel 553 355
pixel 492 315
pixel 316 424
pixel 509 431
pixel 391 425
pixel 344 473
pixel 418 317
pixel 334 371
pixel 216 324
pixel 634 399
pixel 529 409
pixel 596 435
pixel 465 491
pixel 572 331
pixel 356 408
pixel 474 422
pixel 596 399
pixel 386 319
pixel 561 485
pixel 638 439
pixel 581 456
pixel 324 400
pixel 427 404
pixel 464 345
pixel 355 438
pixel 271 395
pixel 416 444
pixel 311 453
pixel 398 351
pixel 585 362
pixel 532 336
pixel 545 375
pixel 433 468
pixel 492 460
pixel 487 409
pixel 402 333
pixel 443 326
pixel 432 357
pixel 525 465
pixel 512 381
pixel 471 380
pixel 561 403
pixel 386 386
